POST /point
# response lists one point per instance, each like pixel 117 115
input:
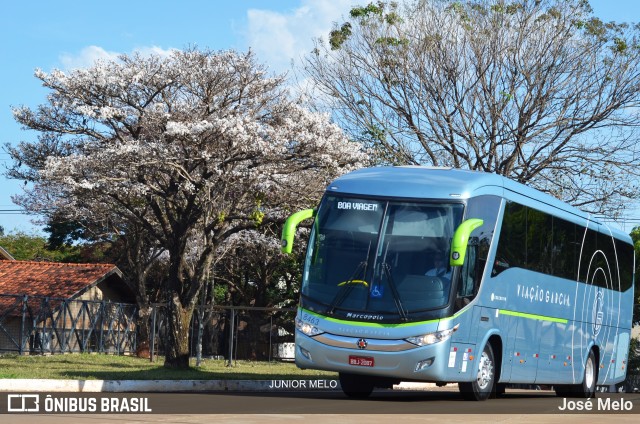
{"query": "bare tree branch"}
pixel 539 91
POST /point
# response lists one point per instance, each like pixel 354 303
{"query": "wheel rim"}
pixel 589 373
pixel 485 371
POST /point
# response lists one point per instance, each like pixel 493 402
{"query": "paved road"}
pixel 332 407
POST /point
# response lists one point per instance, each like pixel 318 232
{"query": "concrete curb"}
pixel 160 386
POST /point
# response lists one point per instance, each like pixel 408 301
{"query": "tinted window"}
pixel 511 246
pixel 377 256
pixel 564 248
pixel 485 208
pixel 588 243
pixel 619 258
pixel 625 255
pixel 539 241
pixel 534 240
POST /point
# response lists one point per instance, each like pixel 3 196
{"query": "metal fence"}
pixel 43 325
pixel 232 332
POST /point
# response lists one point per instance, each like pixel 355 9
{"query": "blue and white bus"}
pixel 532 290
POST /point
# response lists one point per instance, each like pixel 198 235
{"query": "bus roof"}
pixel 422 182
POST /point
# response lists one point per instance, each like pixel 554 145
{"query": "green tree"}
pixel 256 272
pixel 32 247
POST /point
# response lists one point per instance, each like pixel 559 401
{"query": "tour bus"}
pixel 532 291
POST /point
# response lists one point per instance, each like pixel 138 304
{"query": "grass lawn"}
pixel 113 367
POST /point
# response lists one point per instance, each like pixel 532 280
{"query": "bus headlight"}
pixel 307 328
pixel 432 338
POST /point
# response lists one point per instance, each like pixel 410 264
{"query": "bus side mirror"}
pixel 461 240
pixel 290 225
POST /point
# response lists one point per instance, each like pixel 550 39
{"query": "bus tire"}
pixel 587 389
pixel 483 386
pixel 356 386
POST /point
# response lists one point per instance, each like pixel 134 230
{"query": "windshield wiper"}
pixel 394 291
pixel 347 286
pixel 392 284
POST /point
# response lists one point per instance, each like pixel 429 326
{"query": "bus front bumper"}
pixel 438 362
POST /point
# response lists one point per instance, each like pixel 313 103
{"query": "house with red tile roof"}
pixel 60 298
pixel 63 280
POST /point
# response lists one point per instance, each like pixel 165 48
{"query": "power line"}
pixel 13 212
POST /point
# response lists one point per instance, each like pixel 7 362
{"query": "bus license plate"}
pixel 361 361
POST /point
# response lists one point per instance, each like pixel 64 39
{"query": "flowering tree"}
pixel 192 148
pixel 256 272
pixel 540 91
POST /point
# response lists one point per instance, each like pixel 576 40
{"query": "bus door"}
pixel 525 348
pixel 555 362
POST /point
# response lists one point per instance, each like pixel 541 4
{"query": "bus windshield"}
pixel 380 257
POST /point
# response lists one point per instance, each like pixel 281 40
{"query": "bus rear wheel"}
pixel 587 389
pixel 356 386
pixel 483 385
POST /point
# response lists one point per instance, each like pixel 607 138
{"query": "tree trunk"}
pixel 144 331
pixel 177 344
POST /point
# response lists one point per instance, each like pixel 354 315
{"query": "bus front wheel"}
pixel 483 385
pixel 356 386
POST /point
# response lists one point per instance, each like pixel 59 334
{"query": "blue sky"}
pixel 66 34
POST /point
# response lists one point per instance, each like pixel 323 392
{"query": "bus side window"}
pixel 469 277
pixel 484 207
pixel 467 274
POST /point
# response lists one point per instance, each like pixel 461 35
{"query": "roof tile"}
pixel 52 279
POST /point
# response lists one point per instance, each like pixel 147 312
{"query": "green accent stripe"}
pixel 533 316
pixel 379 325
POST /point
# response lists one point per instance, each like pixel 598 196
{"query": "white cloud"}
pixel 90 54
pixel 86 57
pixel 280 37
